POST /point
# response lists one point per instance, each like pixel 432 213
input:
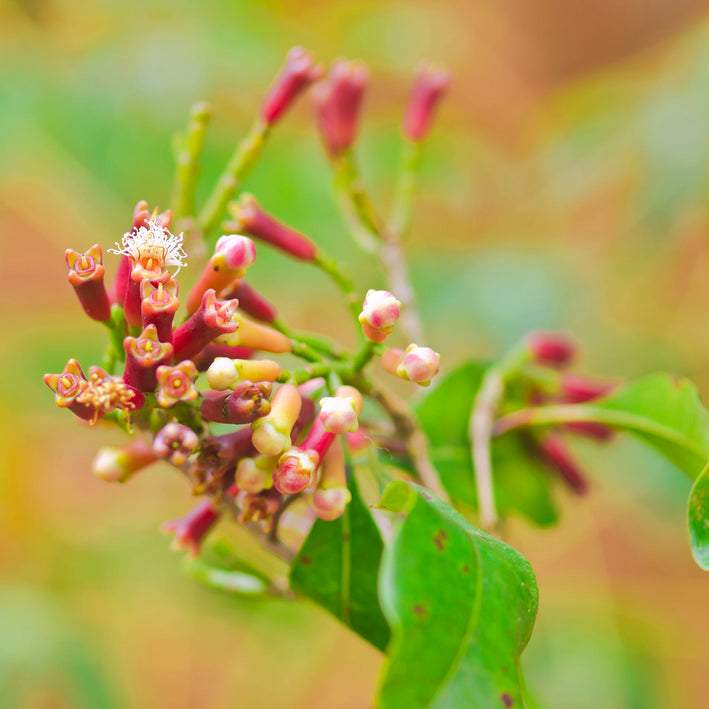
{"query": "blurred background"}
pixel 565 186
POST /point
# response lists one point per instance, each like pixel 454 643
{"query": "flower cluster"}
pixel 207 391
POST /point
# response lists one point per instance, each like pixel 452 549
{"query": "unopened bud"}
pixel 114 464
pixel 556 454
pixel 158 306
pixel 338 414
pixel 191 529
pixel 175 443
pixel 68 387
pixel 429 86
pixel 254 221
pixel 233 255
pixel 256 336
pixel 224 373
pixel 297 74
pixel 419 364
pixel 337 102
pixel 576 389
pixel 248 402
pixel 380 310
pixel 296 470
pixel 272 433
pixel 331 496
pixel 255 474
pixel 551 349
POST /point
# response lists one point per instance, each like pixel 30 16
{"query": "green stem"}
pixel 480 431
pixel 116 327
pixel 364 356
pixel 243 159
pixel 343 281
pixel 321 345
pixel 188 150
pixel 400 217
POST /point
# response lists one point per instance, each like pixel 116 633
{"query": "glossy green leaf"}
pixel 521 482
pixel 698 517
pixel 337 568
pixel 461 606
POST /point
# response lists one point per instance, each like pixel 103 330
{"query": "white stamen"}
pixel 153 241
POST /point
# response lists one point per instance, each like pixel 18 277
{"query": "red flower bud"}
pixel 86 274
pixel 213 318
pixel 576 389
pixel 252 220
pixel 337 102
pixel 233 254
pixel 429 86
pixel 590 429
pixel 143 356
pixel 250 302
pixel 245 404
pixel 556 455
pixel 158 307
pixel 296 75
pixel 551 349
pixel 191 529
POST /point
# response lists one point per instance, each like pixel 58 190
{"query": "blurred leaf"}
pixel 337 568
pixel 461 605
pixel 521 483
pixel 698 513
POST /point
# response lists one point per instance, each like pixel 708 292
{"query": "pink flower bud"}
pixel 391 359
pixel 233 254
pixel 255 474
pixel 429 86
pixel 296 470
pixel 212 319
pixel 252 220
pixel 158 307
pixel 68 387
pixel 556 455
pixel 224 372
pixel 248 402
pixel 337 102
pixel 338 414
pixel 272 433
pixel 257 337
pixel 330 503
pixel 176 383
pixel 143 356
pixel 298 72
pixel 551 349
pixel 250 302
pixel 419 364
pixel 191 529
pixel 380 311
pixel 113 464
pixel 175 443
pixel 86 274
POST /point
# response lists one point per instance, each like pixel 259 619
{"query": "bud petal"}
pixel 338 414
pixel 224 373
pixel 272 433
pixel 429 86
pixel 256 336
pixel 551 349
pixel 113 464
pixel 419 364
pixel 191 529
pixel 245 404
pixel 296 470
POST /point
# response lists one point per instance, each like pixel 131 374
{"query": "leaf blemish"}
pixel 305 560
pixel 419 610
pixel 439 539
pixel 507 701
pixel 466 569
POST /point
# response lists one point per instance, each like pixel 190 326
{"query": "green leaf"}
pixel 461 606
pixel 698 517
pixel 337 568
pixel 521 482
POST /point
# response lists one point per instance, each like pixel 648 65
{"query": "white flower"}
pixel 153 243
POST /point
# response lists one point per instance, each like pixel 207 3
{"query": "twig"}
pixel 238 167
pixel 400 217
pixel 285 504
pixel 188 150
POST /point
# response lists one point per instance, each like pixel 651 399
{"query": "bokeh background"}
pixel 565 186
